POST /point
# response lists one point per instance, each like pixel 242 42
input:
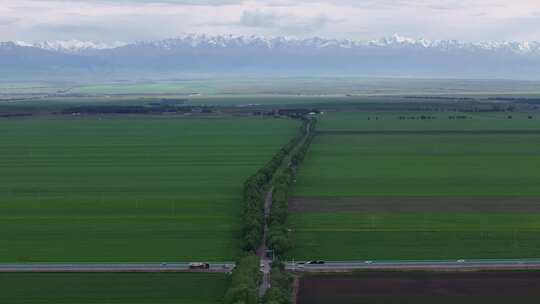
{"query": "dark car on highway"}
pixel 199 265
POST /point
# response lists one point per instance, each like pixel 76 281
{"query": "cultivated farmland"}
pixel 121 288
pixel 421 287
pixel 128 188
pixel 457 165
pixel 418 196
pixel 428 120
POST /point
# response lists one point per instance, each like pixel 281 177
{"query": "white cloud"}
pixel 128 20
pixel 282 23
pixel 258 18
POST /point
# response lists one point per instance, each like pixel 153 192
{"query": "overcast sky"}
pixel 132 20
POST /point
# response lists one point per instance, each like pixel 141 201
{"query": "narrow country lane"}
pixel 265 261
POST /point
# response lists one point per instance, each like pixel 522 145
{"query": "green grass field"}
pixel 421 165
pixel 420 236
pixel 432 166
pixel 118 288
pixel 390 121
pixel 128 188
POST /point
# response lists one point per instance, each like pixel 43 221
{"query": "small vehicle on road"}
pixel 226 266
pixel 315 262
pixel 199 265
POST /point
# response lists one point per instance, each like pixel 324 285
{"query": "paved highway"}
pixel 328 266
pixel 112 267
pixel 332 266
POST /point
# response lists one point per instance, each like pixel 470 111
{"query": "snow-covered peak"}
pixel 71 46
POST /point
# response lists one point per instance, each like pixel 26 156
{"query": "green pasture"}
pixel 394 236
pixel 128 188
pixel 118 288
pixel 455 165
pixel 412 165
pixel 419 121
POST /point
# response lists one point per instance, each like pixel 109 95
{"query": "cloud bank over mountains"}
pixel 136 20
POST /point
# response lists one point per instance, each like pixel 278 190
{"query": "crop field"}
pixel 118 288
pixel 411 196
pixel 421 287
pixel 457 165
pixel 129 189
pixel 389 120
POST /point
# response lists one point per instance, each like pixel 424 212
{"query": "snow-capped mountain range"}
pixel 224 55
pixel 196 40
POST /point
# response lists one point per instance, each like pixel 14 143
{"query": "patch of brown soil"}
pixel 421 287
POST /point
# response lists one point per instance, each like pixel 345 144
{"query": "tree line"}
pixel 129 109
pixel 281 282
pixel 246 276
pixel 258 184
pixel 278 234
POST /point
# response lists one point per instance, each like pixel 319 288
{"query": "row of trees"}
pixel 278 233
pixel 245 280
pixel 255 189
pixel 281 282
pixel 246 276
pixel 154 108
